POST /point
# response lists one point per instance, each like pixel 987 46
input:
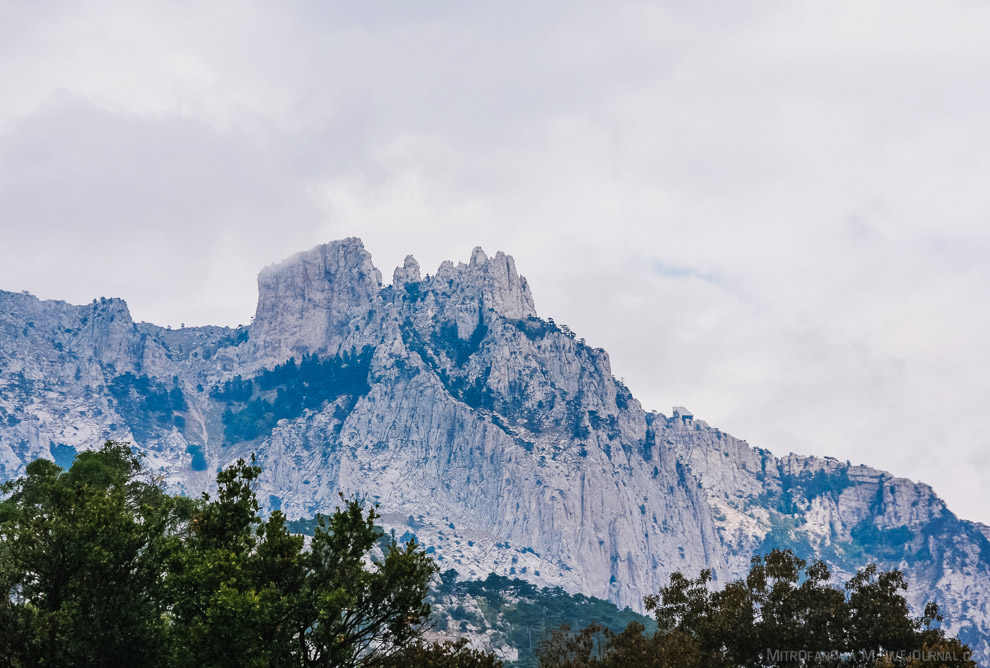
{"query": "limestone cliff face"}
pixel 307 303
pixel 494 436
pixel 478 426
pixel 55 361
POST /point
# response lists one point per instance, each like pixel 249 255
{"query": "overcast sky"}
pixel 775 213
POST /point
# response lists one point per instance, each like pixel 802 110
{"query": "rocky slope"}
pixel 498 438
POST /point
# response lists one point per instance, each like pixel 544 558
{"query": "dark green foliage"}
pixel 783 609
pixel 414 291
pixel 919 545
pixel 21 385
pixel 782 536
pixel 442 655
pixel 198 458
pixel 290 389
pixel 303 527
pixel 308 526
pixel 970 529
pixel 608 423
pixel 535 328
pixel 804 487
pixel 318 373
pixel 598 647
pixel 473 392
pixel 256 419
pixel 649 443
pixel 99 567
pixel 822 482
pixel 807 486
pixel 235 338
pixel 816 484
pixel 147 404
pixel 622 396
pixel 524 613
pixel 245 593
pixel 465 377
pixel 882 543
pixel 80 558
pixel 456 349
pixel 234 390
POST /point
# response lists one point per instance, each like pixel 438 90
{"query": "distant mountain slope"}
pixel 498 437
pixel 512 617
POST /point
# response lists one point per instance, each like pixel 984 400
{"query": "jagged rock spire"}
pixel 478 257
pixel 407 273
pixel 493 281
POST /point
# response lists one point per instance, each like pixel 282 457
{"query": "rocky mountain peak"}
pixel 407 273
pixel 478 257
pixel 111 332
pixel 306 302
pixel 492 283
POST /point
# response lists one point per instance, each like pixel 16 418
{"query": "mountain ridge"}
pixel 498 437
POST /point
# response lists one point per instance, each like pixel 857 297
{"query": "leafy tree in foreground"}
pixel 99 567
pixel 784 613
pixel 246 593
pixel 442 655
pixel 80 563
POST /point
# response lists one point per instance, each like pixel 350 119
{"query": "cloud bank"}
pixel 774 213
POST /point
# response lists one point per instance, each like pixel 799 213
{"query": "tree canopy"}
pixel 100 567
pixel 784 613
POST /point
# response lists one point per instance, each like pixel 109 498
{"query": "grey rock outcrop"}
pixel 407 273
pixel 307 303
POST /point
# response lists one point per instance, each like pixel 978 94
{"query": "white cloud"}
pixel 773 212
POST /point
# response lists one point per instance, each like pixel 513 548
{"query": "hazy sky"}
pixel 775 213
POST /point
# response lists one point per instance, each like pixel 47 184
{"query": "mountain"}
pixel 498 438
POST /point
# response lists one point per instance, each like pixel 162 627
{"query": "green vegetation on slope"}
pixel 522 614
pixel 147 404
pixel 255 405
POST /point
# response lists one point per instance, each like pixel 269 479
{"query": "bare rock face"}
pixel 497 438
pixel 407 273
pixel 309 303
